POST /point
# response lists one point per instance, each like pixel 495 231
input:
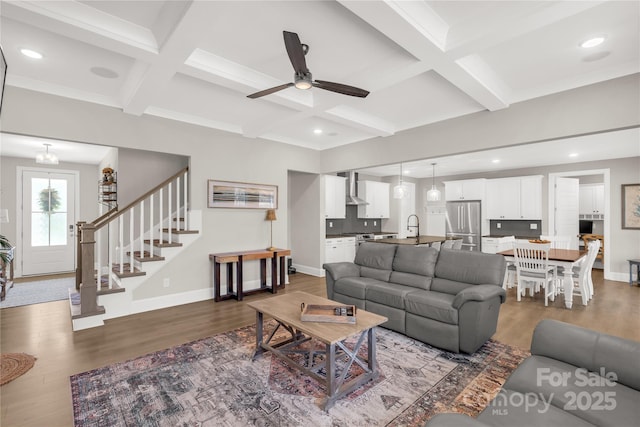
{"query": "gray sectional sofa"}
pixel 574 377
pixel 448 298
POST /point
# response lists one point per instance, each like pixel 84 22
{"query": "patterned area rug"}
pixel 213 382
pixel 13 365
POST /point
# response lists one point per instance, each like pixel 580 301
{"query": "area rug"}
pixel 12 365
pixel 214 382
pixel 37 292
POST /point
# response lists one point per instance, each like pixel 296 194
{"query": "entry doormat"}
pixel 214 382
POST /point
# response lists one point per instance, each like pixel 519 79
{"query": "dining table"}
pixel 565 258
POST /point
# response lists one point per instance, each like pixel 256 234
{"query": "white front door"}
pixel 566 221
pixel 48 219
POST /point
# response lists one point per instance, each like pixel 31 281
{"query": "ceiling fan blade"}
pixel 295 52
pixel 340 88
pixel 269 91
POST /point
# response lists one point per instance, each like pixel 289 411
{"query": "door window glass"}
pixel 48 212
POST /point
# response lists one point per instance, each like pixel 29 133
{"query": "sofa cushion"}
pixel 446 286
pixel 415 259
pixel 353 286
pixel 588 396
pixel 590 349
pixel 470 267
pixel 375 255
pixel 410 279
pixel 433 305
pixel 389 294
pixel 375 273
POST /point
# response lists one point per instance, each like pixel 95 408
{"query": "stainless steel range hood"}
pixel 352 197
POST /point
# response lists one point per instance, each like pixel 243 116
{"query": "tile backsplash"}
pixel 518 228
pixel 353 224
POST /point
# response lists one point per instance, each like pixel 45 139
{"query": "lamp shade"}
pixel 433 195
pixel 271 215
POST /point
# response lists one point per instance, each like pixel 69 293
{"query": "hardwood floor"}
pixel 42 396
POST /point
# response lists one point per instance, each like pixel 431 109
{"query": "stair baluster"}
pixel 169 214
pixel 141 233
pixel 186 197
pixel 121 243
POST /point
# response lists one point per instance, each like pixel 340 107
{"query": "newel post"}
pixel 79 226
pixel 89 286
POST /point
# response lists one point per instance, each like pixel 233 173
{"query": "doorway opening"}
pixel 600 225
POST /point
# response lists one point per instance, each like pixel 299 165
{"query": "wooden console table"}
pixel 238 258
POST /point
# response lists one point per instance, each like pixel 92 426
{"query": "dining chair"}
pixel 533 270
pixel 557 242
pixel 586 238
pixel 581 275
pixel 447 244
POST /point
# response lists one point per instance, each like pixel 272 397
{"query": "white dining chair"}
pixel 581 277
pixel 558 242
pixel 447 244
pixel 533 270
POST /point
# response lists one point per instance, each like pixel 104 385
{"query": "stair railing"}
pixel 107 232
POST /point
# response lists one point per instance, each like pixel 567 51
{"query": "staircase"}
pixel 123 248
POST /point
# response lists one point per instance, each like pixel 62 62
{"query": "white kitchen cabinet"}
pixel 494 245
pixel 468 189
pixel 592 199
pixel 342 249
pixel 377 195
pixel 335 197
pixel 514 198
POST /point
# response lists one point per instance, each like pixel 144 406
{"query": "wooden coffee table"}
pixel 285 309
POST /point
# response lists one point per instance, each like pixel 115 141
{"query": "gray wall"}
pixel 604 106
pixel 214 155
pixel 306 207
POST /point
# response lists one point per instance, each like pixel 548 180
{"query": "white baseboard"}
pixel 620 277
pixel 165 301
pixel 312 271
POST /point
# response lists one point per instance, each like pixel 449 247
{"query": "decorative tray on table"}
pixel 338 313
pixel 539 241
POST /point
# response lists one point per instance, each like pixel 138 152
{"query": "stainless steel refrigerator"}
pixel 463 222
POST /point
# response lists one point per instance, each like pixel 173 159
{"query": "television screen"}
pixel 586 227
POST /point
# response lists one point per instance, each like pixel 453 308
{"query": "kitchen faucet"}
pixel 417 226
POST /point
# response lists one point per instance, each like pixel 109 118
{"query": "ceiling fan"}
pixel 302 77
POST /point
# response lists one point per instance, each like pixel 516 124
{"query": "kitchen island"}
pixel 420 240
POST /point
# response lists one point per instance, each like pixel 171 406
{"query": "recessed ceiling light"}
pixel 317 131
pixel 573 155
pixel 495 161
pixel 31 53
pixel 593 42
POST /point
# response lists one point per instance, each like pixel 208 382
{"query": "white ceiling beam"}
pixel 182 41
pixel 549 14
pixel 391 20
pixel 81 22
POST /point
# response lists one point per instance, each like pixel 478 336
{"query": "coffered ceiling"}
pixel 422 61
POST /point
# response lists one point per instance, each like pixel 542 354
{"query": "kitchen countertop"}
pixel 422 240
pixel 340 236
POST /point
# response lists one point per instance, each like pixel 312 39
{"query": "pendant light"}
pixel 400 191
pixel 46 157
pixel 433 195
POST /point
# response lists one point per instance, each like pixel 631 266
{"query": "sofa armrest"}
pixel 338 270
pixel 479 293
pixel 454 420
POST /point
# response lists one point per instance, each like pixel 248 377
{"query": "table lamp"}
pixel 271 216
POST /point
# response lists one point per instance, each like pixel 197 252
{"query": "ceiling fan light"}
pixel 303 84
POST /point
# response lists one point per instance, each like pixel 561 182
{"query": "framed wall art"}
pixel 243 195
pixel 631 206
